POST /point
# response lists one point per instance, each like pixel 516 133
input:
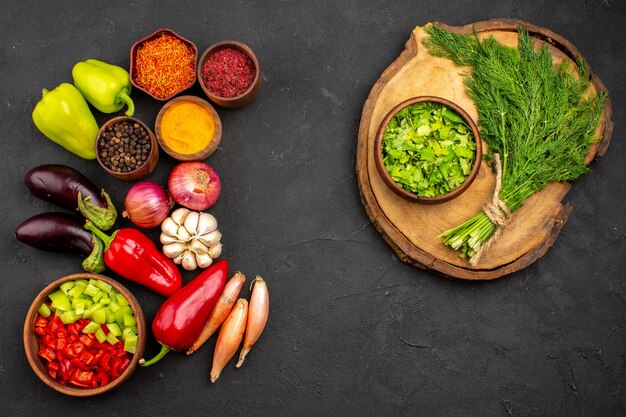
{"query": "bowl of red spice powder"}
pixel 229 74
pixel 163 64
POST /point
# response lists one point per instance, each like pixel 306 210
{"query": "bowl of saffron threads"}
pixel 229 74
pixel 163 64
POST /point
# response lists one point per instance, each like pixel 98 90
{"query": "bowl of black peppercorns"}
pixel 126 148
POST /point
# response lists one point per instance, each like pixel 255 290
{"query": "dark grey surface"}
pixel 352 331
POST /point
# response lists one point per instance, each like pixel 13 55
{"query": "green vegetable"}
pixel 60 301
pixel 79 303
pixel 107 87
pixel 44 310
pixel 63 116
pixel 428 149
pixel 539 117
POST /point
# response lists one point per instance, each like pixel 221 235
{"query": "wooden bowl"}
pixel 245 97
pixel 31 343
pixel 143 170
pixel 380 166
pixel 197 156
pixel 133 56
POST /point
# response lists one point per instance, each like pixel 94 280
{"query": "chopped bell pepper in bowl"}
pixel 84 334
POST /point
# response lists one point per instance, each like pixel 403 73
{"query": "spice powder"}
pixel 187 127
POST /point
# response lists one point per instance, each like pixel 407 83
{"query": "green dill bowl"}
pixel 397 189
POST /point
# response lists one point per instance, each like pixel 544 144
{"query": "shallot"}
pixel 230 336
pixel 220 311
pixel 257 317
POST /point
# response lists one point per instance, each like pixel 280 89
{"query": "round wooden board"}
pixel 410 228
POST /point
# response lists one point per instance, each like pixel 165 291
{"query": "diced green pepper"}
pixel 130 343
pixel 110 316
pixel 92 327
pixel 69 317
pixel 121 300
pixel 129 320
pixel 119 316
pixel 112 339
pixel 60 301
pixel 93 308
pixel 91 290
pixel 115 329
pixel 129 331
pixel 66 286
pixel 99 316
pixel 114 306
pixel 44 310
pixel 76 291
pixel 100 335
pixel 103 286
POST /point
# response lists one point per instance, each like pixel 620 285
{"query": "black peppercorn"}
pixel 124 146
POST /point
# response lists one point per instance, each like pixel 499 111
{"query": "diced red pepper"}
pixel 48 341
pixel 124 365
pixel 116 363
pixel 78 347
pixel 41 321
pixel 82 378
pixel 61 341
pixel 87 358
pixel 104 361
pixel 47 353
pixel 76 358
pixel 52 368
pixel 85 340
pixel 79 364
pixel 103 378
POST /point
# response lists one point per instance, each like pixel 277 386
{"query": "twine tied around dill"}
pixel 496 210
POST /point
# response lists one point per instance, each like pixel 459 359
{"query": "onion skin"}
pixel 194 185
pixel 220 311
pixel 229 338
pixel 257 317
pixel 147 204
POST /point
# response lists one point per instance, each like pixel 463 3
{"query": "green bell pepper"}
pixel 63 116
pixel 107 87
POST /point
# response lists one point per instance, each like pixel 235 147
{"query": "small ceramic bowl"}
pixel 142 170
pixel 242 99
pixel 31 343
pixel 133 58
pixel 196 156
pixel 380 166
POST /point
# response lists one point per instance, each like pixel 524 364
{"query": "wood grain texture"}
pixel 411 229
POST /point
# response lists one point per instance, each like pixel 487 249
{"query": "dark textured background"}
pixel 352 331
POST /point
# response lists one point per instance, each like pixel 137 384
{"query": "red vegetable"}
pixel 132 255
pixel 147 204
pixel 194 185
pixel 78 359
pixel 181 318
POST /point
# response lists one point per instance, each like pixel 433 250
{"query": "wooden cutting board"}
pixel 411 229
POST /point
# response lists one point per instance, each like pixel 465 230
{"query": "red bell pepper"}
pixel 131 254
pixel 181 318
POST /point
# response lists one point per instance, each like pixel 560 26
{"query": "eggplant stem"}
pixel 106 239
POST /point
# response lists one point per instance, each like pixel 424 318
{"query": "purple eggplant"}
pixel 63 232
pixel 68 188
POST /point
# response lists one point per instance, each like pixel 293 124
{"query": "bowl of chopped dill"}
pixel 428 150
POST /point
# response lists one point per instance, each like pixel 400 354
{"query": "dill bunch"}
pixel 539 117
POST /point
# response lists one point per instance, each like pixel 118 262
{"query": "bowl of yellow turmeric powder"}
pixel 188 128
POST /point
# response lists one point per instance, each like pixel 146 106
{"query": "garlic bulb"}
pixel 191 238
